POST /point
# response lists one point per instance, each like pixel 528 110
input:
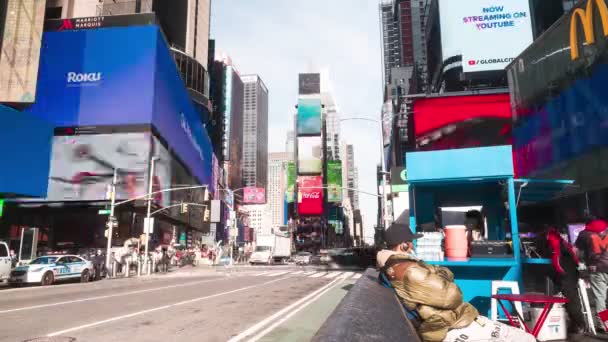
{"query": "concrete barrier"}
pixel 369 312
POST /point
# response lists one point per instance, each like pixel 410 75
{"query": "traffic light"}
pixel 184 208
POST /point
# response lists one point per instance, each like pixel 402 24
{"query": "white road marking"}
pixel 357 276
pixel 276 274
pixel 347 275
pixel 332 274
pixel 309 273
pixel 261 274
pixel 107 296
pixel 299 272
pixel 164 307
pixel 260 325
pixel 317 275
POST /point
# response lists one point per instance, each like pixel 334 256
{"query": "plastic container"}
pixel 456 245
pixel 555 327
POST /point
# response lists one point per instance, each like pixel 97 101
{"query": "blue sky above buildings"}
pixel 278 39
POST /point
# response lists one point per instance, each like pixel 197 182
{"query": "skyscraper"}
pixel 254 166
pixel 351 175
pixel 290 142
pixel 332 118
pixel 277 184
pixel 403 34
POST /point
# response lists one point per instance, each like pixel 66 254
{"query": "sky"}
pixel 278 39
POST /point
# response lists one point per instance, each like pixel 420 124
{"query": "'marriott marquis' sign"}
pixel 88 23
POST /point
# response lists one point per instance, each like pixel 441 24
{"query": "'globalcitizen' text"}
pixel 496 20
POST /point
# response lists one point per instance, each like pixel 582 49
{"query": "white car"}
pixel 46 270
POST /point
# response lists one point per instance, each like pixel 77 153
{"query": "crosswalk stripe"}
pixel 317 274
pixel 357 276
pixel 261 274
pixel 309 273
pixel 276 274
pixel 298 272
pixel 347 275
pixel 333 274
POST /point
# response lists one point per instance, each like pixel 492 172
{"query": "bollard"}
pixel 127 268
pixel 114 266
pixel 153 265
pixel 138 267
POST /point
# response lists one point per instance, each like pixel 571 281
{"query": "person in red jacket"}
pixel 565 266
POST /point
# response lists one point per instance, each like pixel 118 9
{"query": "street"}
pixel 273 304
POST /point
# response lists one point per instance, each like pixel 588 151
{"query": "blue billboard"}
pixel 121 76
pixel 25 142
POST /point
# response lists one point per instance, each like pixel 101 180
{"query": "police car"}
pixel 46 270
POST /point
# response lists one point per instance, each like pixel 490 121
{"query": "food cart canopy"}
pixel 530 191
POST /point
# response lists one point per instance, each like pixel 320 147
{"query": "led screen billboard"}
pixel 488 35
pixel 20 40
pixel 462 121
pixel 334 181
pixel 309 84
pixel 82 167
pixel 253 195
pixel 310 195
pixel 291 182
pixel 309 116
pixel 310 153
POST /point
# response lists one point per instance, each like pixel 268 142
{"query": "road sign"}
pixel 103 212
pixel 149 225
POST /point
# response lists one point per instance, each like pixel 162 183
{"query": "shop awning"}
pixel 540 190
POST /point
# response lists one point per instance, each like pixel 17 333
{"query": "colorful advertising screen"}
pixel 310 154
pixel 20 49
pixel 252 195
pixel 334 181
pixel 291 182
pixel 462 121
pixel 309 116
pixel 82 167
pixel 488 35
pixel 310 195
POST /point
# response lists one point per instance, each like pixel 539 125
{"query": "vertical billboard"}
pixel 291 182
pixel 310 195
pixel 21 23
pixel 309 84
pixel 309 116
pixel 334 181
pixel 253 195
pixel 310 154
pixel 488 35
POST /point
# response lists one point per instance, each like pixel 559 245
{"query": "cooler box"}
pixel 555 327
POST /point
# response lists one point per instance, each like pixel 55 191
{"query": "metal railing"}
pixel 125 7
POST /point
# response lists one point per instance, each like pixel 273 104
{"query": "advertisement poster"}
pixel 252 195
pixel 334 181
pixel 309 116
pixel 310 195
pixel 309 84
pixel 488 34
pixel 82 166
pixel 291 182
pixel 310 154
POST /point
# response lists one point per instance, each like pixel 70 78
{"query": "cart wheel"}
pixel 47 279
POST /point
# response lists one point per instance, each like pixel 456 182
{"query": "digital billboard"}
pixel 488 35
pixel 122 76
pixel 448 122
pixel 309 116
pixel 309 84
pixel 291 182
pixel 253 195
pixel 82 167
pixel 21 23
pixel 334 181
pixel 310 154
pixel 310 195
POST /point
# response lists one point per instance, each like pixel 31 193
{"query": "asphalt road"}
pixel 281 304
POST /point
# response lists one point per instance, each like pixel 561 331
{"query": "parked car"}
pixel 48 269
pixel 303 258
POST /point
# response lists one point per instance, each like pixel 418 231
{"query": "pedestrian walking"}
pixel 593 243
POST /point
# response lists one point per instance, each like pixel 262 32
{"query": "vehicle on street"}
pixel 303 258
pixel 48 269
pixel 271 249
pixel 5 262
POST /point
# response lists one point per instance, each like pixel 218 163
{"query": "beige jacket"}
pixel 431 291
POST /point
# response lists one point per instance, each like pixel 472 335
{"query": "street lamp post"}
pixel 148 227
pixel 110 223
